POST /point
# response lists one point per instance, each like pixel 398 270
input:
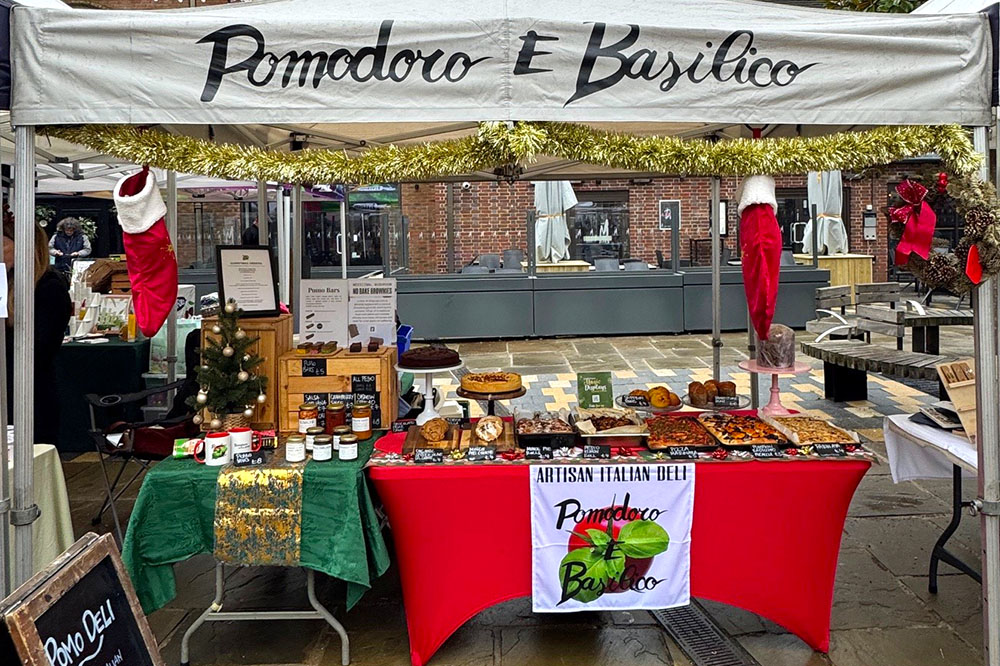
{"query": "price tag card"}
pixel 730 401
pixel 422 456
pixel 830 450
pixel 634 401
pixel 682 453
pixel 538 453
pixel 363 384
pixel 314 367
pixel 403 425
pixel 766 451
pixel 247 458
pixel 596 451
pixel 481 453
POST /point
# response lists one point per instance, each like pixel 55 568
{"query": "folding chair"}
pixel 141 442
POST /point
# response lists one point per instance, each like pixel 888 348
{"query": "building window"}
pixel 598 225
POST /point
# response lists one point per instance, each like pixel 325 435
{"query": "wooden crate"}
pixel 959 380
pixel 340 376
pixel 275 335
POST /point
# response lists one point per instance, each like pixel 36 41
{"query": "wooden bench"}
pixel 847 362
pixel 830 300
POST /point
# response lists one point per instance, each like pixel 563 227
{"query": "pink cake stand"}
pixel 774 407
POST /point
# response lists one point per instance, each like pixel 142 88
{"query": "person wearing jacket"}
pixel 68 243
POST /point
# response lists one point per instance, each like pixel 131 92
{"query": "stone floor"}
pixel 882 614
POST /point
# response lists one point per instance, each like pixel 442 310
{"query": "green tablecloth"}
pixel 81 368
pixel 173 520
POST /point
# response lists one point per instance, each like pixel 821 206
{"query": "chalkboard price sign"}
pixel 596 451
pixel 481 453
pixel 730 401
pixel 766 452
pixel 422 456
pixel 538 453
pixel 634 401
pixel 830 450
pixel 682 453
pixel 247 458
pixel 80 611
pixel 314 367
pixel 402 425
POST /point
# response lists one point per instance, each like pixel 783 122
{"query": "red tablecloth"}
pixel 765 538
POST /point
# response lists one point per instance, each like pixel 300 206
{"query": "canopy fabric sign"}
pixel 611 537
pixel 302 61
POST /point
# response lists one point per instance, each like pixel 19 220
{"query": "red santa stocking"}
pixel 760 242
pixel 152 266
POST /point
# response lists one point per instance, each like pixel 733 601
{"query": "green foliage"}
pixel 88 227
pixel 885 6
pixel 219 374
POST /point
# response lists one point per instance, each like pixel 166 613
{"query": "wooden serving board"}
pixel 959 379
pixel 416 440
pixel 504 443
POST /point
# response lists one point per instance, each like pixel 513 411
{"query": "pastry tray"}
pixel 620 439
pixel 795 439
pixel 745 446
pixel 556 440
pixel 710 446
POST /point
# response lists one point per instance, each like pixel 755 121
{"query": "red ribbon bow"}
pixel 919 221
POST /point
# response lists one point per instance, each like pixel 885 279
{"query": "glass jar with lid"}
pixel 361 420
pixel 308 416
pixel 295 448
pixel 336 415
pixel 348 447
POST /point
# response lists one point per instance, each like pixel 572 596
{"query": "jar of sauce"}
pixel 339 432
pixel 308 416
pixel 295 448
pixel 336 415
pixel 361 420
pixel 323 447
pixel 348 447
pixel 311 435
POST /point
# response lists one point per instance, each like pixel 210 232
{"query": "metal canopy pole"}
pixel 346 244
pixel 986 308
pixel 296 232
pixel 172 319
pixel 24 511
pixel 4 477
pixel 282 224
pixel 716 281
pixel 263 218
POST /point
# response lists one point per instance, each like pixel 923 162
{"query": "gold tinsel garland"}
pixel 499 144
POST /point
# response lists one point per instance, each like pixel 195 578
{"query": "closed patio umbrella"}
pixel 552 199
pixel 825 191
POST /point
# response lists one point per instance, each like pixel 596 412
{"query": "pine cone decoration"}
pixel 940 269
pixel 978 221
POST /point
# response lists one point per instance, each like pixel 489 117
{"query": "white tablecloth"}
pixel 921 452
pixel 52 533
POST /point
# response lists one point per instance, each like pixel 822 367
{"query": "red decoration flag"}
pixel 919 221
pixel 973 269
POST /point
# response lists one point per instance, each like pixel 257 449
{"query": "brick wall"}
pixel 491 217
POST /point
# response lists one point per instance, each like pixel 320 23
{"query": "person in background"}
pixel 251 235
pixel 53 309
pixel 68 243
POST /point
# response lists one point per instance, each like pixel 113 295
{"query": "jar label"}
pixel 361 424
pixel 295 451
pixel 349 452
pixel 309 442
pixel 305 424
pixel 322 452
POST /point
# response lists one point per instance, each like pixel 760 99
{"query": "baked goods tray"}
pixel 743 403
pixel 765 434
pixel 805 430
pixel 619 439
pixel 556 440
pixel 647 408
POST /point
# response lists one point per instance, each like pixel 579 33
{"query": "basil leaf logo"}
pixel 643 538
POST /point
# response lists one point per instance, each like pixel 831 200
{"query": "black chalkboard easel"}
pixel 81 610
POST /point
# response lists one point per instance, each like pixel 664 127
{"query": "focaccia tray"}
pixel 735 430
pixel 667 431
pixel 805 430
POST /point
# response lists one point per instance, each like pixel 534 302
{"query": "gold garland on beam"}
pixel 497 144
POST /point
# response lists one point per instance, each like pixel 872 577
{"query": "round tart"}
pixel 489 428
pixel 491 382
pixel 429 357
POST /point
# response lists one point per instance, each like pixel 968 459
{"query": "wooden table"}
pixel 845 269
pixel 926 327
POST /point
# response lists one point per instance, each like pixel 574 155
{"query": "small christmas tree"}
pixel 227 383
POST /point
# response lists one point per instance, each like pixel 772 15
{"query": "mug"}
pixel 243 440
pixel 215 449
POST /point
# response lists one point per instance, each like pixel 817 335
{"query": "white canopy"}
pixel 450 61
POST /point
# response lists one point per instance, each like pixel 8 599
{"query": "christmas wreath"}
pixel 933 261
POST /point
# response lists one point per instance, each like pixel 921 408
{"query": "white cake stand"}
pixel 774 406
pixel 429 412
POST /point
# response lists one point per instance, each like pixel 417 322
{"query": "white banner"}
pixel 315 61
pixel 611 537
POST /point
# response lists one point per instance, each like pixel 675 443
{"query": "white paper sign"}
pixel 372 313
pixel 611 537
pixel 3 291
pixel 323 315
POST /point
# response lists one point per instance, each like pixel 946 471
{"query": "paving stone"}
pixel 958 602
pixel 539 369
pixel 469 646
pixel 165 622
pixel 595 348
pixel 879 496
pixel 537 358
pixel 923 646
pixel 902 545
pixel 738 622
pixel 582 644
pixel 590 365
pixel 675 363
pixel 248 643
pixel 489 346
pixel 867 595
pixel 631 353
pixel 785 650
pixel 487 360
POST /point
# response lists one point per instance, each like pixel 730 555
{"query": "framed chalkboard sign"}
pixel 80 611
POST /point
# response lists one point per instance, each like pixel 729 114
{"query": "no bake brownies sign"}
pixel 611 537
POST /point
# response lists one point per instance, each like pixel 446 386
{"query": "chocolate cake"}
pixel 778 351
pixel 429 357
